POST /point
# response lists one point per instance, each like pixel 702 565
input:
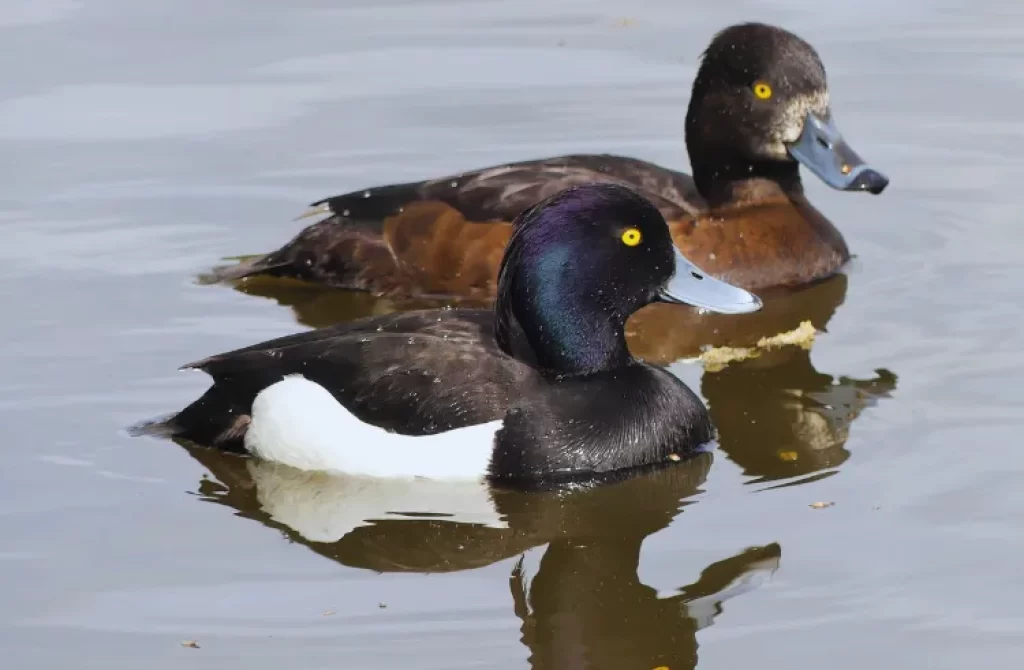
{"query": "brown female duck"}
pixel 759 109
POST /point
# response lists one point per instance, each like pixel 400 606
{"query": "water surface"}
pixel 144 142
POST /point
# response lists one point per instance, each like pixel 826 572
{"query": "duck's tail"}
pixel 218 419
pixel 247 266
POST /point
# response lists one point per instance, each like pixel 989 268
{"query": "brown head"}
pixel 759 108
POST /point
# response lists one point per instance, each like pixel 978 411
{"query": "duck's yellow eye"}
pixel 631 237
pixel 762 90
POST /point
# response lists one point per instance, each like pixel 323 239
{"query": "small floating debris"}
pixel 330 612
pixel 190 644
pixel 675 457
pixel 821 505
pixel 719 357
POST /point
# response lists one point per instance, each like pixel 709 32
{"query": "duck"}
pixel 760 108
pixel 539 388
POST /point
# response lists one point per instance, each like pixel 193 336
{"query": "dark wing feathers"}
pixel 502 192
pixel 456 325
pixel 415 373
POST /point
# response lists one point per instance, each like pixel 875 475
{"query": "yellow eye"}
pixel 762 90
pixel 631 237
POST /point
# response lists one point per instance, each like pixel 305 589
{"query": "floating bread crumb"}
pixel 719 357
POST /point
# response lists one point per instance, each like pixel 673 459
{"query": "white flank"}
pixel 325 508
pixel 299 423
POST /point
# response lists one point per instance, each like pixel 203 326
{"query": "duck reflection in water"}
pixel 584 606
pixel 779 417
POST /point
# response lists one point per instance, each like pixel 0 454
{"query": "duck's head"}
pixel 760 105
pixel 580 263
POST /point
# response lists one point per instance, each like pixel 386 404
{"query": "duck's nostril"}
pixel 696 276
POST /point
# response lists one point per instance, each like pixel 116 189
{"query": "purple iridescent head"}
pixel 580 263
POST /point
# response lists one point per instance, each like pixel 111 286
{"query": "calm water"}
pixel 144 141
